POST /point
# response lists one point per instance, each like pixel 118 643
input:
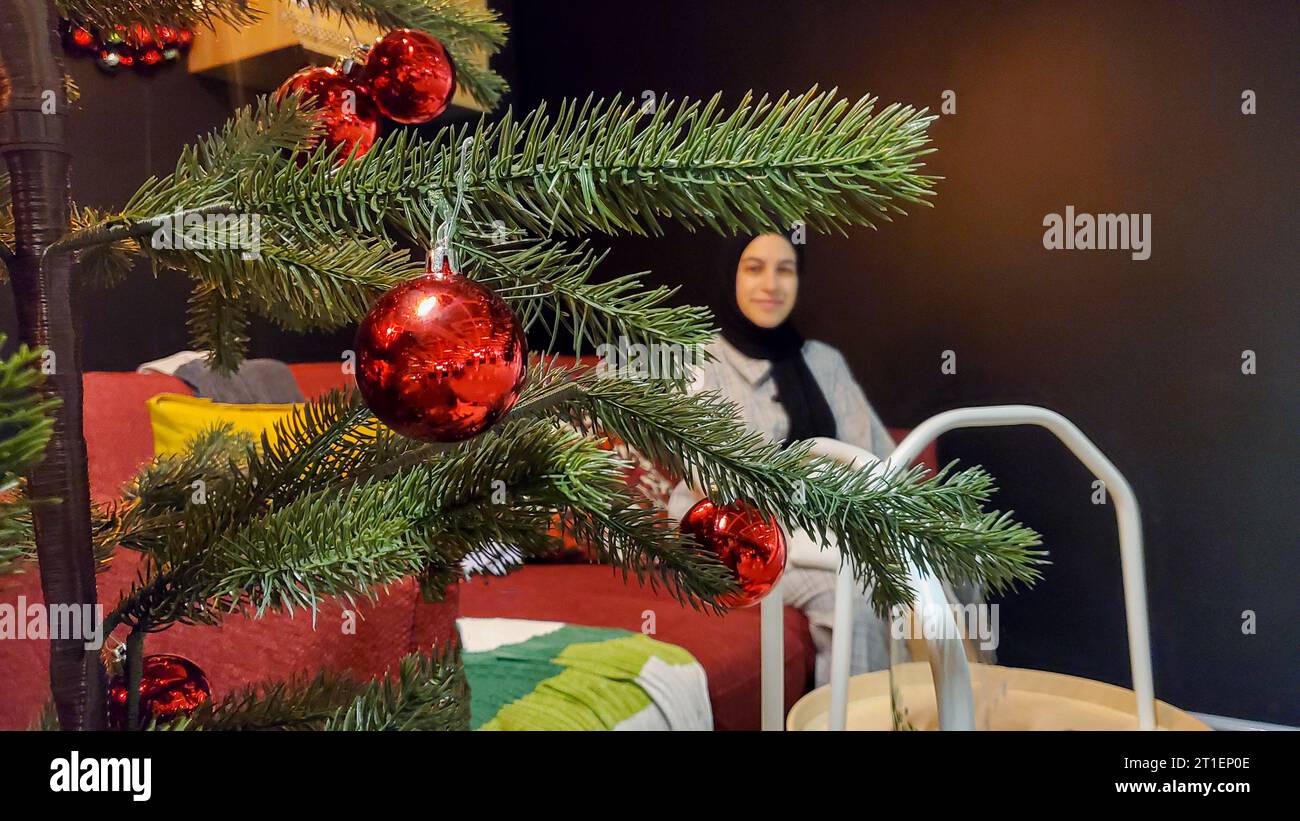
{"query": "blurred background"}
pixel 1111 107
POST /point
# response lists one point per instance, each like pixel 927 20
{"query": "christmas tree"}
pixel 335 503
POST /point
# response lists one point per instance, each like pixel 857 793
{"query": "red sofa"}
pixel 241 651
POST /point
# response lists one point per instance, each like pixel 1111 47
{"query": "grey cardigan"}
pixel 748 383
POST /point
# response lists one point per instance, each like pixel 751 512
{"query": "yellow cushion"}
pixel 177 418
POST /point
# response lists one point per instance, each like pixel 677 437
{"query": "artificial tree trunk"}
pixel 33 104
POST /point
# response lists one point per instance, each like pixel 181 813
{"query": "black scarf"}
pixel 796 389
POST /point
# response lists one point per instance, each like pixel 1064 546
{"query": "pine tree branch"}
pixel 6 226
pixel 428 692
pixel 25 422
pixel 936 523
pixel 25 428
pixel 17 543
pixel 103 264
pixel 219 324
pixel 546 281
pixel 205 172
pixel 300 703
pixel 447 20
pixel 345 540
pixel 321 285
pixel 584 483
pixel 607 166
pixel 107 13
pixel 153 503
pixel 320 288
pixel 324 287
pixel 810 157
pixel 482 83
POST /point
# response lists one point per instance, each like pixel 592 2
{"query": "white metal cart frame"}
pixel 948 659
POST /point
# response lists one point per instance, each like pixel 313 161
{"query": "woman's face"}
pixel 767 280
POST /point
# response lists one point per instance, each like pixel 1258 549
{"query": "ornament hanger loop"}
pixel 443 250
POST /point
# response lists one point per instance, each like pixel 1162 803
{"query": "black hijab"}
pixel 796 389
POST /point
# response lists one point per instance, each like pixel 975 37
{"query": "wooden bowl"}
pixel 1006 698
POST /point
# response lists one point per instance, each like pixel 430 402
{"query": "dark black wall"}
pixel 1109 107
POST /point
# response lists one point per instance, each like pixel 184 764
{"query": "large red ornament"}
pixel 751 546
pixel 410 76
pixel 343 106
pixel 165 35
pixel 149 56
pixel 140 36
pixel 440 358
pixel 77 39
pixel 170 686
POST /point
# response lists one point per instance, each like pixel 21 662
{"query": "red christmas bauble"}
pixel 184 38
pixel 77 39
pixel 140 36
pixel 751 546
pixel 165 35
pixel 440 358
pixel 343 105
pixel 170 686
pixel 410 76
pixel 149 56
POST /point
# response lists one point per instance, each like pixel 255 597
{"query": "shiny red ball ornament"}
pixel 149 56
pixel 184 38
pixel 165 35
pixel 752 547
pixel 343 105
pixel 140 36
pixel 410 76
pixel 170 687
pixel 440 358
pixel 78 39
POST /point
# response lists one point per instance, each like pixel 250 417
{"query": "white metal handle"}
pixel 950 677
pixel 947 653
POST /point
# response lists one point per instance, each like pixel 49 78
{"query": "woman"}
pixel 789 389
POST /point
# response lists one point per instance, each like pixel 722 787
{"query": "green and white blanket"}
pixel 548 675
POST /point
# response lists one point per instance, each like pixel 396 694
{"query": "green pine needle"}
pixel 609 166
pixel 26 423
pixel 547 282
pixel 936 523
pixel 428 692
